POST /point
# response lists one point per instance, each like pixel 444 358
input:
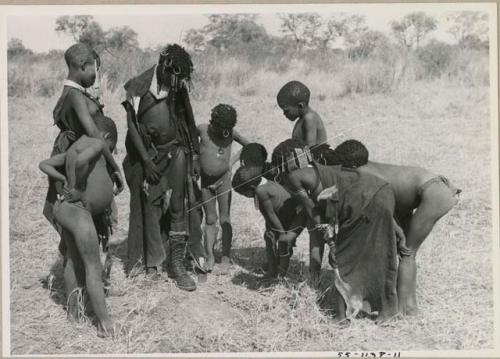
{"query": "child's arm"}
pixel 49 165
pixel 235 158
pixel 296 227
pixel 267 210
pixel 310 131
pixel 240 139
pixel 300 184
pixel 81 109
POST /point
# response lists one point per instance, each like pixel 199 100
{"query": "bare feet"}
pixel 152 273
pixel 409 309
pixel 105 330
pixel 225 265
pixel 209 266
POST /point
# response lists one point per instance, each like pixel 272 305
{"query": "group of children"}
pixel 421 197
pixel 84 173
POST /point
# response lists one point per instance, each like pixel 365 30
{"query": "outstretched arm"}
pixel 80 106
pixel 49 165
pixel 235 158
pixel 240 139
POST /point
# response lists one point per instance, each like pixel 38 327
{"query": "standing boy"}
pixel 216 140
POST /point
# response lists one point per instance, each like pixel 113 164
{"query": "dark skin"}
pixel 85 108
pixel 161 129
pixel 216 161
pixel 303 183
pixel 87 181
pixel 416 215
pixel 309 128
pixel 273 199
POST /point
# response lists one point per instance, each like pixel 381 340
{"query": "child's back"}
pixel 310 129
pixel 98 190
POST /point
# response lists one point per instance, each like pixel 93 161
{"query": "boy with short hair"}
pixel 216 140
pixel 283 215
pixel 87 192
pixel 422 198
pixel 293 99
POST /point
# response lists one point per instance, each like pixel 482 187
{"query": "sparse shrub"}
pixel 435 59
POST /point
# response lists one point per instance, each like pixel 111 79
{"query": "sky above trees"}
pixel 38 32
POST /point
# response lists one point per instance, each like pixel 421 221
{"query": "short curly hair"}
pixel 253 154
pixel 224 116
pixel 245 177
pixel 106 125
pixel 291 154
pixel 351 153
pixel 292 93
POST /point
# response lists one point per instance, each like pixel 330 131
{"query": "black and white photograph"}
pixel 241 180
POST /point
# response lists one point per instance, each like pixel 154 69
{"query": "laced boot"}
pixel 182 279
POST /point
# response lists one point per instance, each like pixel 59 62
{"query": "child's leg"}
pixel 79 222
pixel 74 274
pixel 224 193
pixel 316 249
pixel 209 206
pixel 340 307
pixel 272 261
pixel 437 200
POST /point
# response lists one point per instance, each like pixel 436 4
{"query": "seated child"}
pixel 283 215
pixel 293 99
pixel 216 140
pixel 422 198
pixel 88 191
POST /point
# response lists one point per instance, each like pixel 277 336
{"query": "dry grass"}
pixel 445 129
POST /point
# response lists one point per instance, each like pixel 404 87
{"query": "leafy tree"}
pixel 304 29
pixel 121 38
pixel 413 28
pixel 435 58
pixel 469 28
pixel 82 28
pixel 368 43
pixel 15 47
pixel 227 31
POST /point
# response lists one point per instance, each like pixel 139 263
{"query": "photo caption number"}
pixel 369 354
